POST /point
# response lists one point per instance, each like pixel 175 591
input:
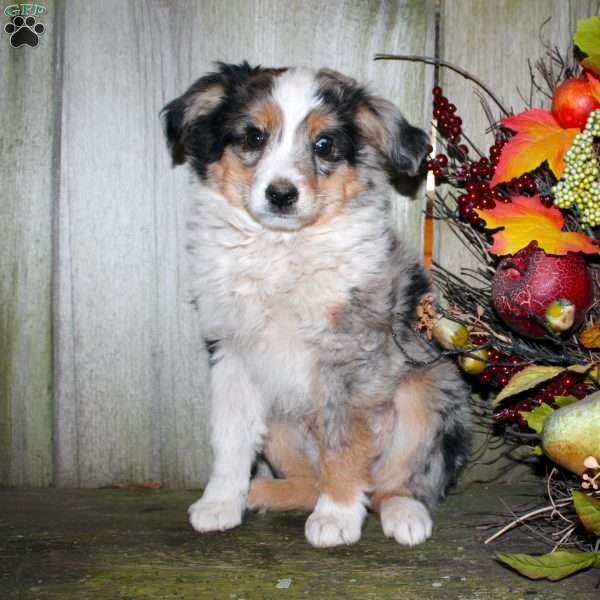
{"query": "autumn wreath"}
pixel 525 324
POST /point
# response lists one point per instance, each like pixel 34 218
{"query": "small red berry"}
pixel 442 160
pixel 485 377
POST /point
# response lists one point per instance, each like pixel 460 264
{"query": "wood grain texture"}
pixel 105 544
pixel 27 134
pixel 130 365
pixel 494 46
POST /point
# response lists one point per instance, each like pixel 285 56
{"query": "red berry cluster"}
pixel 501 367
pixel 478 193
pixel 525 184
pixel 568 384
pixel 449 124
pixel 473 175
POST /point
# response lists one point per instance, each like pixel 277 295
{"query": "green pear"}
pixel 572 433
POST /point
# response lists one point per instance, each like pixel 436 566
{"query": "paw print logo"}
pixel 24 31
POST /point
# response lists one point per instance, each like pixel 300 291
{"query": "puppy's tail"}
pixel 294 493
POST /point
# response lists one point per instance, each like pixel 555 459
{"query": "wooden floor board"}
pixel 124 544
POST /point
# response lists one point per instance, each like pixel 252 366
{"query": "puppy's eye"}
pixel 323 147
pixel 255 138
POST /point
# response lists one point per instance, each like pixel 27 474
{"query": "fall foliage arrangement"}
pixel 525 323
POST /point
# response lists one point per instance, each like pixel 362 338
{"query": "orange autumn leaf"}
pixel 539 138
pixel 526 219
pixel 590 337
pixel 594 86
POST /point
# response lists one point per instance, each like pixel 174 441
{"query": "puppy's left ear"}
pixel 401 146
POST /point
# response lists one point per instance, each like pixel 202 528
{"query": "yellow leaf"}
pixel 526 219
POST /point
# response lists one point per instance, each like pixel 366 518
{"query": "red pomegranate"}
pixel 573 102
pixel 526 283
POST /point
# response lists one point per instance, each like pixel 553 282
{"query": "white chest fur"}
pixel 271 294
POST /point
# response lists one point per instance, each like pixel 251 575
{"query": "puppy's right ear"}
pixel 199 102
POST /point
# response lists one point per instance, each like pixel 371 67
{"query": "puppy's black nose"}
pixel 282 195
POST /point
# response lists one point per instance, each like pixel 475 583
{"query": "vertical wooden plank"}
pixel 493 40
pixel 110 319
pixel 131 368
pixel 27 132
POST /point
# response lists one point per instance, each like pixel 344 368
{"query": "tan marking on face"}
pixel 414 421
pixel 334 192
pixel 345 471
pixel 232 178
pixel 316 122
pixel 372 127
pixel 267 116
pixel 204 102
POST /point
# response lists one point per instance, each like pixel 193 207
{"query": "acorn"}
pixel 450 334
pixel 560 315
pixel 475 363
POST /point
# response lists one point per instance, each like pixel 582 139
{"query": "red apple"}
pixel 573 102
pixel 525 284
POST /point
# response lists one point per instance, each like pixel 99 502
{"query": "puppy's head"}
pixel 292 147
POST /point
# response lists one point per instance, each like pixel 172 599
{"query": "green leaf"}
pixel 536 417
pixel 553 566
pixel 588 511
pixel 564 400
pixel 527 378
pixel 537 450
pixel 533 375
pixel 580 368
pixel 587 39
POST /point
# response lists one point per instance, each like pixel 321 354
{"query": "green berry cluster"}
pixel 579 184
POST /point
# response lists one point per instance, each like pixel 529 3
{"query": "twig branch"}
pixel 430 60
pixel 521 520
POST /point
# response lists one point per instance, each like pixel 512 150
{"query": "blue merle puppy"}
pixel 305 293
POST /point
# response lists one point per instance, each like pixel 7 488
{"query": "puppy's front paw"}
pixel 215 515
pixel 406 520
pixel 333 524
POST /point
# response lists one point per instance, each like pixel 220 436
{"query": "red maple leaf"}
pixel 539 138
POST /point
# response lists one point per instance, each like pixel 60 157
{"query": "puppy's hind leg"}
pixel 423 452
pixel 292 451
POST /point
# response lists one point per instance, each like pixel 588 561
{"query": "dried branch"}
pixel 430 60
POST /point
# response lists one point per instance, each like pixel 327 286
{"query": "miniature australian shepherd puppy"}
pixel 306 296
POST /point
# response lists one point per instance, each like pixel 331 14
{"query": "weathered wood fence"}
pixel 102 371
